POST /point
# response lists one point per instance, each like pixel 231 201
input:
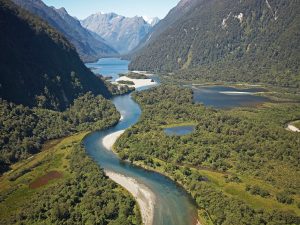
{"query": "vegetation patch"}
pixel 75 190
pixel 235 164
pixel 41 181
pixel 132 75
pixel 127 82
pixel 24 130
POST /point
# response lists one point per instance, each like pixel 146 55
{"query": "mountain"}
pixel 38 66
pixel 89 46
pixel 177 12
pixel 228 40
pixel 123 33
pixel 151 20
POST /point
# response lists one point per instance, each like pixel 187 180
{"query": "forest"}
pixel 239 165
pixel 51 179
pixel 23 130
pixel 236 41
pixel 76 192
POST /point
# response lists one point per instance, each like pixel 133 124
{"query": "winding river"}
pixel 173 206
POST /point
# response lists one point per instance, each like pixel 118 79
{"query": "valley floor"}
pixel 235 165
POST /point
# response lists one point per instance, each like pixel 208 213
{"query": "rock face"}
pixel 230 40
pixel 89 46
pixel 123 33
pixel 39 66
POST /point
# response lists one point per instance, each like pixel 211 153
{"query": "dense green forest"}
pixel 23 130
pixel 39 67
pixel 239 165
pixel 231 40
pixel 76 190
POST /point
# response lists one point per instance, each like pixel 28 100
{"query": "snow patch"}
pixel 151 20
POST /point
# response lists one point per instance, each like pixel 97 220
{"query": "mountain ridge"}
pixel 123 33
pixel 228 41
pixel 89 47
pixel 39 66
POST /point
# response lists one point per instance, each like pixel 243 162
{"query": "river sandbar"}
pixel 292 128
pixel 109 140
pixel 138 83
pixel 143 195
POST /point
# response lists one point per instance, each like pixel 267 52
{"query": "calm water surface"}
pixel 109 67
pixel 179 130
pixel 227 97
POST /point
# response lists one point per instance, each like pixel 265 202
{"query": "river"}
pixel 173 206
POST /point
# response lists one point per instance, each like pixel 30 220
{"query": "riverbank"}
pixel 292 127
pixel 143 195
pixel 138 83
pixel 203 217
pixel 109 140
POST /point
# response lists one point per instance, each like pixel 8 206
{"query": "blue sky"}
pixel 83 8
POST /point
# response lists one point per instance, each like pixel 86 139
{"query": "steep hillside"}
pixel 39 67
pixel 123 33
pixel 89 46
pixel 228 40
pixel 176 13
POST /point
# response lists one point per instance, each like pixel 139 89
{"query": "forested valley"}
pixel 24 130
pixel 52 180
pixel 239 165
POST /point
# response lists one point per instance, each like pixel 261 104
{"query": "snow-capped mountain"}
pixel 122 33
pixel 151 20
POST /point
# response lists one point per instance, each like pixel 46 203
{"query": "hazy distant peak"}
pixel 151 20
pixel 123 33
pixel 89 46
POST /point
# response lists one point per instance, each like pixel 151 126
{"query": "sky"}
pixel 130 8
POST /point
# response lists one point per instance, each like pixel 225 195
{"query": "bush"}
pixel 284 197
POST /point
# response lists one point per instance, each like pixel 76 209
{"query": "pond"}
pixel 227 97
pixel 179 130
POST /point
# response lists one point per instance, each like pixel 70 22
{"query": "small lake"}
pixel 109 67
pixel 227 97
pixel 179 130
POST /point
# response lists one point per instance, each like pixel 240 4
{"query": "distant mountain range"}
pixel 39 66
pixel 123 33
pixel 89 45
pixel 230 40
